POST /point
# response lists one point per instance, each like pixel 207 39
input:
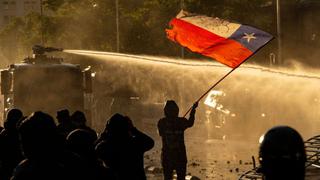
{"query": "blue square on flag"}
pixel 251 37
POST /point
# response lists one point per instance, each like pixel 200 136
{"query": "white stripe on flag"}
pixel 217 26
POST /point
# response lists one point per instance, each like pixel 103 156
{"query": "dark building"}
pixel 300 25
pixel 16 8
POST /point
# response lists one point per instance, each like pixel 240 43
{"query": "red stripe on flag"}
pixel 226 51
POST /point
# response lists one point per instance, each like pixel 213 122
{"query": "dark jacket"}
pixel 171 130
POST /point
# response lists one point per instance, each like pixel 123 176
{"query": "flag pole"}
pixel 226 75
pixel 213 86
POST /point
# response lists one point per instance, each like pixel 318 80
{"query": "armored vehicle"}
pixel 47 84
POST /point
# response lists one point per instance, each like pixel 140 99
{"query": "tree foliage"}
pixel 91 24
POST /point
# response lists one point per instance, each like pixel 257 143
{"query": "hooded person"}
pixel 282 154
pixel 171 129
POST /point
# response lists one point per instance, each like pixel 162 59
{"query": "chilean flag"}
pixel 227 42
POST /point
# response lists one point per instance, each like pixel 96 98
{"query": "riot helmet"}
pixel 282 154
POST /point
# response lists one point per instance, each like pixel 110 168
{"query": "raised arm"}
pixel 144 141
pixel 189 123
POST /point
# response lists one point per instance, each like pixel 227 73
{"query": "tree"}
pixel 90 24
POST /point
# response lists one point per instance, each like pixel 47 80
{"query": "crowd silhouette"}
pixel 37 148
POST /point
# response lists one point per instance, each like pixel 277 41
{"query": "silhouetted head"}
pixel 39 136
pixel 171 109
pixel 78 118
pixel 282 154
pixel 81 141
pixel 118 125
pixel 130 123
pixel 13 118
pixel 63 116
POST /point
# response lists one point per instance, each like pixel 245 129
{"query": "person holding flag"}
pixel 171 129
pixel 227 42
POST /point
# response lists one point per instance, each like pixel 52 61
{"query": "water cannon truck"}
pixel 43 83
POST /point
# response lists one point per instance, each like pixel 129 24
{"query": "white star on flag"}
pixel 249 37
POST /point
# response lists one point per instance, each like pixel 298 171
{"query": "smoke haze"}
pixel 257 97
